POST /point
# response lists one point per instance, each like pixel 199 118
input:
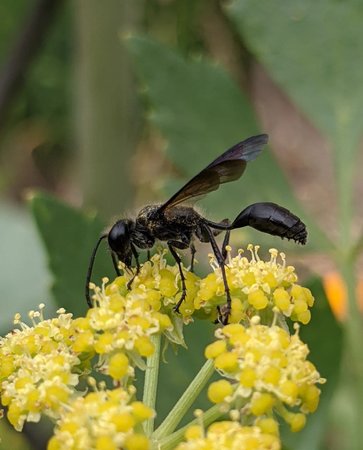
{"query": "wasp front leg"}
pixel 173 244
pixel 115 262
pixel 193 252
pixel 136 256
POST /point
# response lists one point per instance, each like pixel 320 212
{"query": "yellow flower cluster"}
pixel 120 325
pixel 268 370
pixel 37 369
pixel 102 420
pixel 229 435
pixel 256 286
pixel 265 369
pixel 159 285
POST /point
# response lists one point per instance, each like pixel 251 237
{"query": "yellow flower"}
pixel 122 321
pixel 256 285
pixel 270 369
pixel 38 367
pixel 118 366
pixel 229 435
pixel 219 390
pixel 159 286
pixel 102 420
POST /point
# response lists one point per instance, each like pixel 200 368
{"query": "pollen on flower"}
pixel 269 366
pixel 256 285
pixel 102 419
pixel 229 435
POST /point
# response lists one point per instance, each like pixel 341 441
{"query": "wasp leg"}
pixel 115 263
pixel 225 244
pixel 193 251
pixel 182 246
pixel 217 228
pixel 136 256
pixel 226 239
pixel 223 316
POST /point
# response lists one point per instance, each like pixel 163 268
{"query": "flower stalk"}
pixel 151 382
pixel 211 415
pixel 185 402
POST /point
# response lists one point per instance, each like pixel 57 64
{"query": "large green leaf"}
pixel 312 49
pixel 324 337
pixel 69 236
pixel 201 112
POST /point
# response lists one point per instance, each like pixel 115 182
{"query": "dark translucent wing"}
pixel 227 167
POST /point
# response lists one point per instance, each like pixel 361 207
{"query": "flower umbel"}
pixel 120 325
pixel 256 286
pixel 102 420
pixel 38 369
pixel 229 435
pixel 266 368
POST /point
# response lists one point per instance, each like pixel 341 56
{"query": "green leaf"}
pixel 69 236
pixel 312 50
pixel 202 112
pixel 324 337
pixel 23 272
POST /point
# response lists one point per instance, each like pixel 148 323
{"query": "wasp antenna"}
pixel 90 268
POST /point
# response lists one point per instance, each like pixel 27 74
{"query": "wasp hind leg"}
pixel 225 311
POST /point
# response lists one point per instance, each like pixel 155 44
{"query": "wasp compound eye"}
pixel 119 236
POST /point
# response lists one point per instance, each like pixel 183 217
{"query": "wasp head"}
pixel 119 240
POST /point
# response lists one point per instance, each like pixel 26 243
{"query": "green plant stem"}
pixel 185 402
pixel 208 417
pixel 151 382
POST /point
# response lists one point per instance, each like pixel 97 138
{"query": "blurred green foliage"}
pixel 36 141
pixel 46 94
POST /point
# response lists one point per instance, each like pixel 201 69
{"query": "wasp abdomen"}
pixel 272 219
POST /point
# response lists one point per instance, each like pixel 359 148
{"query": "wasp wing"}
pixel 227 167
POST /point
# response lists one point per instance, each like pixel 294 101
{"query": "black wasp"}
pixel 179 224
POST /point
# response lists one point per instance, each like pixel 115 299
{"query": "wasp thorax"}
pixel 119 235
